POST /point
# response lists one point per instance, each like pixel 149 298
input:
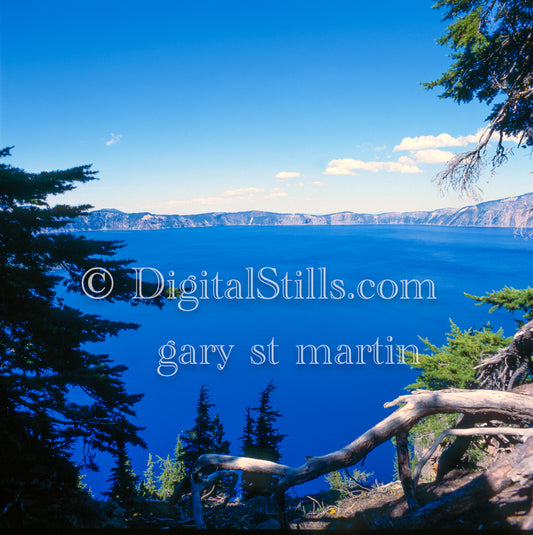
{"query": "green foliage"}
pixel 123 488
pixel 82 486
pixel 219 444
pixel 147 487
pixel 167 478
pixel 421 437
pixel 452 365
pixel 347 483
pixel 261 440
pixel 172 472
pixel 247 438
pixel 424 433
pixel 207 435
pixel 429 428
pixel 43 342
pixel 511 300
pixel 492 56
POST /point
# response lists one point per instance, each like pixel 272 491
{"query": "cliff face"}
pixel 510 212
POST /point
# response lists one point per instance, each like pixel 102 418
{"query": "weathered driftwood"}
pixel 491 405
pixel 466 433
pixel 452 455
pixel 198 486
pixel 404 469
pixel 514 468
pixel 505 368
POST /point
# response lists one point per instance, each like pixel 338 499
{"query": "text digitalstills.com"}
pixel 265 283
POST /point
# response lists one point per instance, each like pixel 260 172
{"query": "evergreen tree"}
pixel 247 437
pixel 219 444
pixel 43 343
pixel 492 62
pixel 452 365
pixel 199 439
pixel 172 472
pixel 261 440
pixel 179 465
pixel 267 437
pixel 122 480
pixel 510 299
pixel 207 435
pixel 165 478
pixel 147 486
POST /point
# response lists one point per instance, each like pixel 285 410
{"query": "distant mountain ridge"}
pixel 510 212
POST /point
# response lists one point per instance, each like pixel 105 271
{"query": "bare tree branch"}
pixel 466 433
pixel 507 407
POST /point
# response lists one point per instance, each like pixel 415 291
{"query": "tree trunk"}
pixel 451 456
pixel 404 469
pixel 505 369
pixel 514 468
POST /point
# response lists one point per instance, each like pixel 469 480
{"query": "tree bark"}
pixel 467 433
pixel 514 468
pixel 504 369
pixel 451 456
pixel 404 469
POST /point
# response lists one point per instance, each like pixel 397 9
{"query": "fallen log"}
pixel 507 407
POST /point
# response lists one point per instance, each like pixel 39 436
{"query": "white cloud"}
pixel 340 167
pixel 432 156
pixel 346 166
pixel 198 200
pixel 406 160
pixel 276 194
pixel 435 142
pixel 288 174
pixel 239 194
pixel 208 200
pixel 445 140
pixel 317 183
pixel 114 139
pixel 241 191
pixel 516 138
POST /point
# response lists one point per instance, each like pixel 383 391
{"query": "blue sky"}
pixel 188 107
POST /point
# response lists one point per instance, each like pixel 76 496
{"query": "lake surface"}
pixel 324 406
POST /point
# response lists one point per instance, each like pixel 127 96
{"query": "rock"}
pixel 271 523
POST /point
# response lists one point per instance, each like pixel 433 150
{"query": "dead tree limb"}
pixel 198 486
pixel 491 405
pixel 404 469
pixel 466 433
pixel 453 454
pixel 501 371
pixel 504 369
pixel 514 468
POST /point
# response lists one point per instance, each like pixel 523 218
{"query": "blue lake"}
pixel 324 406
